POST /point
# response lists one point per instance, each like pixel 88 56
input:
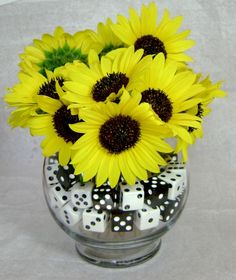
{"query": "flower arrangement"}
pixel 109 101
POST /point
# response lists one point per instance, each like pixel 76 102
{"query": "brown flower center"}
pixel 61 120
pixel 160 103
pixel 150 45
pixel 113 82
pixel 119 134
pixel 49 88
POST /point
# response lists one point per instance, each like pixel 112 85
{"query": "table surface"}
pixel 202 244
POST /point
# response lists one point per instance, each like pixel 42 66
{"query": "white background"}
pixel 202 244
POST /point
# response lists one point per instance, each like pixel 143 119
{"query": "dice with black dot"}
pixel 58 196
pixel 177 168
pixel 147 217
pixel 51 174
pixel 170 159
pixel 122 221
pixel 132 197
pixel 176 181
pixel 95 220
pixel 81 195
pixel 66 177
pixel 105 197
pixel 70 214
pixel 156 191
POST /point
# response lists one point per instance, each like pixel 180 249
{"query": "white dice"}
pixel 51 174
pixel 69 214
pixel 58 196
pixel 132 197
pixel 177 180
pixel 94 220
pixel 147 217
pixel 81 195
pixel 177 168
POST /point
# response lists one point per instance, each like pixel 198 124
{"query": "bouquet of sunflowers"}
pixel 109 101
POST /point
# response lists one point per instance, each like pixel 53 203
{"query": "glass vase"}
pixel 107 232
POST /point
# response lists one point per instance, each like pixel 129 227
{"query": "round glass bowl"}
pixel 117 227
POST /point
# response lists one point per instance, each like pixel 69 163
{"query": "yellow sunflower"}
pixel 102 81
pixel 104 39
pixel 23 95
pixel 54 125
pixel 118 139
pixel 200 110
pixel 171 94
pixel 144 33
pixel 55 50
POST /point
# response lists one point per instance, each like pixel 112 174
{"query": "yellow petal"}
pixel 113 170
pixel 64 154
pixel 126 171
pixel 102 172
pixel 136 168
pixel 51 147
pixel 182 133
pixel 48 104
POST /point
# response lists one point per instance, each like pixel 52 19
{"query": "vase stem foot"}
pixel 118 258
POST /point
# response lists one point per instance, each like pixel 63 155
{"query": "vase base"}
pixel 118 257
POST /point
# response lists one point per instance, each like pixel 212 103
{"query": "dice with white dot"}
pixel 70 214
pixel 132 197
pixel 51 174
pixel 156 191
pixel 122 221
pixel 169 208
pixel 147 217
pixel 58 196
pixel 81 195
pixel 95 220
pixel 105 197
pixel 176 181
pixel 52 159
pixel 66 177
pixel 171 158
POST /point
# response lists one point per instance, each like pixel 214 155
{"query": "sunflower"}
pixel 171 93
pixel 200 110
pixel 103 80
pixel 54 125
pixel 144 33
pixel 55 50
pixel 104 39
pixel 118 139
pixel 23 95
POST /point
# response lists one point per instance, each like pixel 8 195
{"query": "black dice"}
pixel 53 159
pixel 66 177
pixel 170 158
pixel 122 221
pixel 170 207
pixel 105 198
pixel 156 191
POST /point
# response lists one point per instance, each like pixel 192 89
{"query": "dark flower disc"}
pixel 160 103
pixel 150 45
pixel 113 82
pixel 49 88
pixel 61 120
pixel 119 134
